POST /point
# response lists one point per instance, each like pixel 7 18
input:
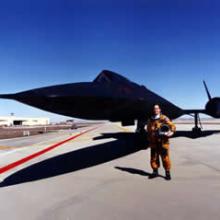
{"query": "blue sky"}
pixel 168 46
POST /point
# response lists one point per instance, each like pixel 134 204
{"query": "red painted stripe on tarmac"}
pixel 39 153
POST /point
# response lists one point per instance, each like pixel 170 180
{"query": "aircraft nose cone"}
pixel 25 94
pixel 7 96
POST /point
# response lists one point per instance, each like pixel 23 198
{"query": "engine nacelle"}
pixel 213 107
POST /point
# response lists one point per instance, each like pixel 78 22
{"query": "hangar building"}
pixel 22 121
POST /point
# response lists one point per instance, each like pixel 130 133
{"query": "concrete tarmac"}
pixel 103 174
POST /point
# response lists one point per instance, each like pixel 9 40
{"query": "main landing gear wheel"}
pixel 141 127
pixel 197 130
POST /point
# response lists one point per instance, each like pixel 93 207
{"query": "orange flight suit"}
pixel 159 145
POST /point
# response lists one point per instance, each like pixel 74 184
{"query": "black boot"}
pixel 168 176
pixel 154 174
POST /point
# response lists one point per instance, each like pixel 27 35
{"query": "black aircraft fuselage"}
pixel 109 97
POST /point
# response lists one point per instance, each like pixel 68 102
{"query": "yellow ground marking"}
pixel 49 141
pixel 84 137
pixel 30 145
pixel 7 148
pixel 122 128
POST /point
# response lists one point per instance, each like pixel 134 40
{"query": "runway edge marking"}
pixel 39 153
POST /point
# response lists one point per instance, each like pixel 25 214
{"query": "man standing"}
pixel 159 143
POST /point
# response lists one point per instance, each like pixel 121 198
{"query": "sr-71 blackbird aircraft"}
pixel 109 97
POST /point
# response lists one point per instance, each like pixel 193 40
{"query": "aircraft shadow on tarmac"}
pixel 190 134
pixel 143 137
pixel 124 144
